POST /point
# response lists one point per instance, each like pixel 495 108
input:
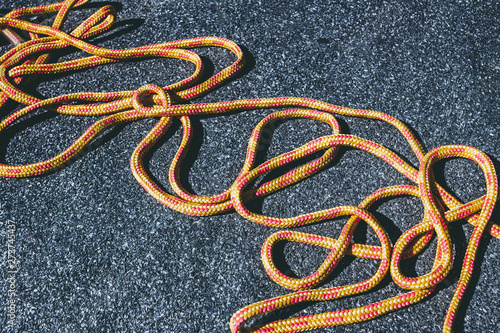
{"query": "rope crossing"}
pixel 28 59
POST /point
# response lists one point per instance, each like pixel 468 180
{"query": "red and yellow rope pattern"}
pixel 31 58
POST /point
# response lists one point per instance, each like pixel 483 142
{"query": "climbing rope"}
pixel 28 59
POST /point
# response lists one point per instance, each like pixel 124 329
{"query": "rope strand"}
pixel 28 59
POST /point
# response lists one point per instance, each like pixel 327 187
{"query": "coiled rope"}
pixel 28 59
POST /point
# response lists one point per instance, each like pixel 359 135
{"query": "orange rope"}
pixel 31 58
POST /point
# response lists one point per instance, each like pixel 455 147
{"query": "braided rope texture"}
pixel 29 59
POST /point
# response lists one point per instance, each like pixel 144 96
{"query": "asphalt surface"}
pixel 98 254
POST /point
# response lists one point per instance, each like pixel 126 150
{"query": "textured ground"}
pixel 99 254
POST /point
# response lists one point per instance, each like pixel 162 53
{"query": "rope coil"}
pixel 28 59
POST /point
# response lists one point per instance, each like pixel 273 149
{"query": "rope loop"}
pixel 149 92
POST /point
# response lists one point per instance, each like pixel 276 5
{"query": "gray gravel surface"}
pixel 98 254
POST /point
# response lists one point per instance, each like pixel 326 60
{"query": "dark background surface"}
pixel 97 253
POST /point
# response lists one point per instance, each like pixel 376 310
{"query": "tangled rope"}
pixel 28 59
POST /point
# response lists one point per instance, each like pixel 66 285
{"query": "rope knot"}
pixel 147 97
